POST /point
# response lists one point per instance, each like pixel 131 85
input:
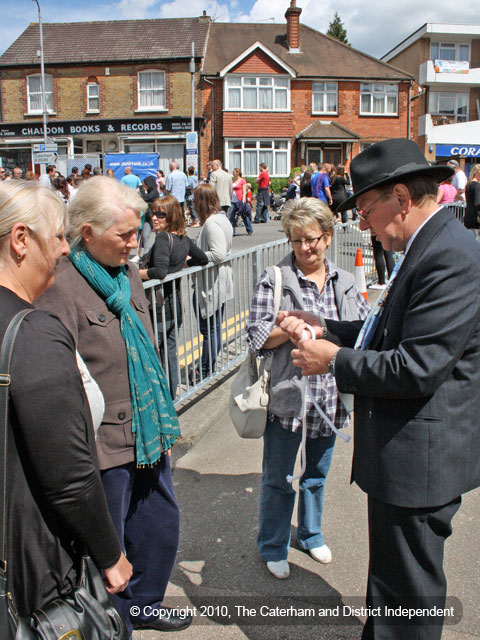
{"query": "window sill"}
pixel 378 115
pixel 324 113
pixel 35 114
pixel 92 111
pixel 154 110
pixel 257 111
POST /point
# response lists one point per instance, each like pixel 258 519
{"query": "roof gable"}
pixel 254 58
pixel 320 56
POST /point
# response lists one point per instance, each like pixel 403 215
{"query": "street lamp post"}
pixel 42 80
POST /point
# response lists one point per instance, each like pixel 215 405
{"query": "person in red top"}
pixel 240 206
pixel 263 198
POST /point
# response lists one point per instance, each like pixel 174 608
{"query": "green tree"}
pixel 337 30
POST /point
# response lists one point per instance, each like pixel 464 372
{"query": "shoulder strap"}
pixel 277 296
pixel 5 378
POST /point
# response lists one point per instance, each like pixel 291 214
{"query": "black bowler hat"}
pixel 389 161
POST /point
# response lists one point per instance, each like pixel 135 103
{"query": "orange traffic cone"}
pixel 360 274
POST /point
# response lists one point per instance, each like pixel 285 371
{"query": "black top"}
pixel 169 255
pixel 55 495
pixel 338 190
pixel 472 196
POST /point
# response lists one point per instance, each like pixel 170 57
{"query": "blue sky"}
pixel 372 27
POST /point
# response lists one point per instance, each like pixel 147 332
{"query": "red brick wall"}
pixel 258 62
pixel 289 124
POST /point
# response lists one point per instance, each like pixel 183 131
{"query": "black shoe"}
pixel 174 622
pixel 249 233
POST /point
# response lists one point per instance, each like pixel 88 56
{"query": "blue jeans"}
pixel 232 216
pixel 277 497
pixel 263 200
pixel 212 343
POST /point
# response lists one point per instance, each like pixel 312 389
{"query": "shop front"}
pixel 89 141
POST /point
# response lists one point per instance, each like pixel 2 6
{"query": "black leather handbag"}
pixel 87 613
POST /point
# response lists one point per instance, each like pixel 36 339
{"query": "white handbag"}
pixel 249 392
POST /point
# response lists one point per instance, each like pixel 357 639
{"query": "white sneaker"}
pixel 321 554
pixel 279 569
pixel 378 287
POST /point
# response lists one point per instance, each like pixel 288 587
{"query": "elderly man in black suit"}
pixel 414 368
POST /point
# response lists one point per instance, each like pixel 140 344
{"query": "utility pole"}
pixel 42 80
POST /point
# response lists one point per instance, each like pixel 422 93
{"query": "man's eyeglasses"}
pixel 310 242
pixel 159 214
pixel 364 213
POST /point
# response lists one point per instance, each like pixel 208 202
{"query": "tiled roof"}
pixel 327 130
pixel 321 56
pixel 109 41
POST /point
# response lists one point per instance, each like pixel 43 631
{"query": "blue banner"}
pixel 143 164
pixel 469 151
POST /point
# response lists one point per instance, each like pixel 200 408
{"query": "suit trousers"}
pixel 145 514
pixel 406 568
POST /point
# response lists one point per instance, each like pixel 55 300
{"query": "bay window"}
pixel 257 93
pixel 248 154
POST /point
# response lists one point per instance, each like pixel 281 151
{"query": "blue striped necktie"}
pixel 371 322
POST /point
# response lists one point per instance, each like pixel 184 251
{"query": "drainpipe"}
pixel 213 114
pixel 409 108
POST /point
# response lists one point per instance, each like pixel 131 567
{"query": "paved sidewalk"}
pixel 217 480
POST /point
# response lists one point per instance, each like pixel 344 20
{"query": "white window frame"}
pixel 244 83
pixel 322 89
pixel 278 146
pixel 48 93
pixel 384 89
pixel 434 104
pixel 141 91
pixel 455 46
pixel 91 85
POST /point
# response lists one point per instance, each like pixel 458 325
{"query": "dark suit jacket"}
pixel 417 400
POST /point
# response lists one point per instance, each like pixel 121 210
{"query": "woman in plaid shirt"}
pixel 313 283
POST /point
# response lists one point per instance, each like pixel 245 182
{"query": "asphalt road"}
pixel 217 480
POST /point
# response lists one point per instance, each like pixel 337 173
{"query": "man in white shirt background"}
pixel 459 180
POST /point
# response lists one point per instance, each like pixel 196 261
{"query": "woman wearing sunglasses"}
pixel 310 282
pixel 169 254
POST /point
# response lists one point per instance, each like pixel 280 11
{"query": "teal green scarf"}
pixel 154 419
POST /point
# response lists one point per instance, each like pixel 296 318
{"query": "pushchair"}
pixel 278 204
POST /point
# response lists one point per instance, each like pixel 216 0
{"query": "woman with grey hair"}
pixel 100 299
pixel 56 506
pixel 310 282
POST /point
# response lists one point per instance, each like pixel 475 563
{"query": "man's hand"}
pixel 117 577
pixel 313 356
pixel 294 323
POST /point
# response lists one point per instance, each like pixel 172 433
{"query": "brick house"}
pixel 120 86
pixel 278 93
pixel 445 60
pixel 284 94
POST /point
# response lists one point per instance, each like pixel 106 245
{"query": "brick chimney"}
pixel 292 14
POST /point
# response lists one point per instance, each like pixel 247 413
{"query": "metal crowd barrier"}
pixel 246 266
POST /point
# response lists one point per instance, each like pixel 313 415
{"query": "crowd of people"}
pixel 102 415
